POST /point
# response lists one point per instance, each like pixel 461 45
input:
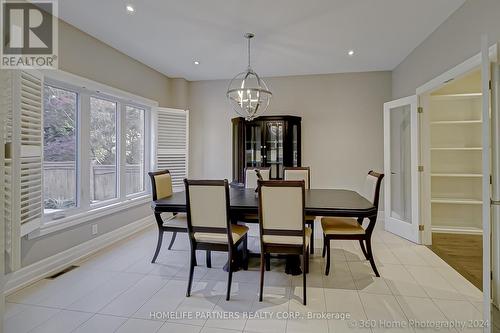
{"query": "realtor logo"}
pixel 29 34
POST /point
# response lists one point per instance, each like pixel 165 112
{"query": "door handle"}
pixel 495 202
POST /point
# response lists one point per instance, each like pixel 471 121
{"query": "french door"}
pixel 401 206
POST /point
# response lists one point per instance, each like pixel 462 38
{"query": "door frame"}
pixel 423 92
pixel 409 231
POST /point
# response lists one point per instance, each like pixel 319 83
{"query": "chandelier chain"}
pixel 249 53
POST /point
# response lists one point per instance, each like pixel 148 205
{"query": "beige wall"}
pixel 456 40
pixel 342 125
pixel 82 54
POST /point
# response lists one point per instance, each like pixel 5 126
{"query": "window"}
pixel 60 148
pixel 95 153
pixel 103 172
pixel 134 150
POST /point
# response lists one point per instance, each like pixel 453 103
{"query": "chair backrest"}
pixel 298 173
pixel 371 189
pixel 207 205
pixel 161 184
pixel 251 176
pixel 281 207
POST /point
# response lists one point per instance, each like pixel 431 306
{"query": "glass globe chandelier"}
pixel 247 92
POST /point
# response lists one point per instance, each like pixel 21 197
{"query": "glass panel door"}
pixel 274 148
pixel 400 135
pixel 401 168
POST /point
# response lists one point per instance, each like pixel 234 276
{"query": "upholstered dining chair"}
pixel 351 228
pixel 251 176
pixel 251 179
pixel 281 223
pixel 302 173
pixel 161 186
pixel 209 225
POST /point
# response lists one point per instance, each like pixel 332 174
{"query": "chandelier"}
pixel 247 92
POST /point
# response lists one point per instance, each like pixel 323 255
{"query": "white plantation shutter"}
pixel 172 137
pixel 23 184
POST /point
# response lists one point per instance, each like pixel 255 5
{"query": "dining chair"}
pixel 281 224
pixel 302 173
pixel 161 185
pixel 251 179
pixel 209 225
pixel 251 176
pixel 352 228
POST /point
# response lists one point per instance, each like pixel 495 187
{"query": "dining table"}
pixel 318 202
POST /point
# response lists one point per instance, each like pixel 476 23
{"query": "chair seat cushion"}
pixel 207 237
pixel 341 226
pixel 177 221
pixel 287 240
pixel 249 217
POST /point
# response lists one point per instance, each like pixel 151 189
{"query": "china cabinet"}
pixel 267 141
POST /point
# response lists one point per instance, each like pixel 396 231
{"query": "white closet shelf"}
pixel 458 148
pixel 456 201
pixel 456 122
pixel 457 96
pixel 461 175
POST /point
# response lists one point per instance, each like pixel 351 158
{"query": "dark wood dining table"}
pixel 318 202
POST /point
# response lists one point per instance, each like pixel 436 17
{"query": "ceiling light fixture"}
pixel 196 62
pixel 247 92
pixel 350 53
pixel 130 9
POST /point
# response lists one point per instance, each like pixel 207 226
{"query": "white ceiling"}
pixel 293 37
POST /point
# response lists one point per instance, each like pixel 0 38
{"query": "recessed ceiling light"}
pixel 350 53
pixel 196 62
pixel 130 9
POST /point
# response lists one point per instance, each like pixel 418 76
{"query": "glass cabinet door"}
pixel 295 146
pixel 274 148
pixel 253 146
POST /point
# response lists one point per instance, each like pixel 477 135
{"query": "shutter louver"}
pixel 23 183
pixel 172 144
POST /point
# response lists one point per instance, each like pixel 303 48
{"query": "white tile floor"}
pixel 117 289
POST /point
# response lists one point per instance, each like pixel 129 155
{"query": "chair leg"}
pixel 158 245
pixel 245 253
pixel 370 255
pixel 261 287
pixel 268 262
pixel 229 277
pixel 191 271
pixel 363 249
pixel 209 258
pixel 304 271
pixel 172 240
pixel 307 262
pixel 327 270
pixel 324 246
pixel 311 243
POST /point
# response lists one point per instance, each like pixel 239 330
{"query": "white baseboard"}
pixel 48 266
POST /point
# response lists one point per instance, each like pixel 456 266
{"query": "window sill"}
pixel 95 213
